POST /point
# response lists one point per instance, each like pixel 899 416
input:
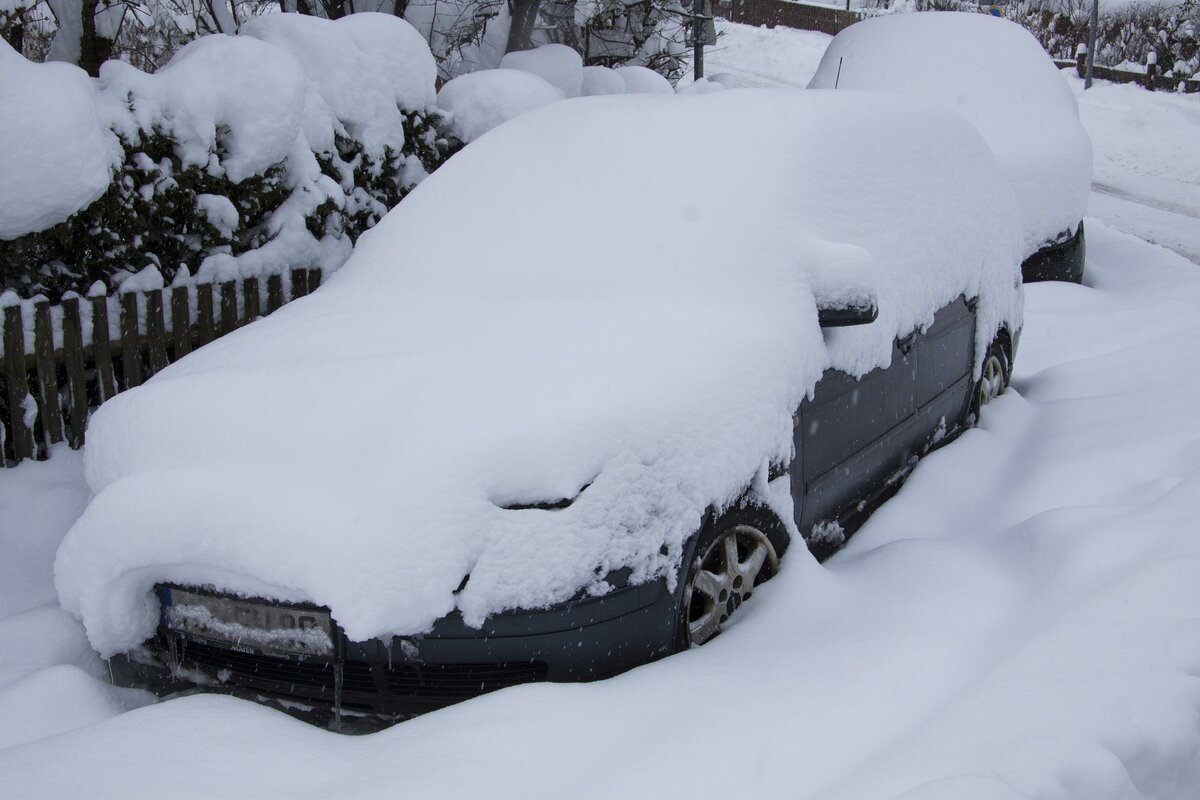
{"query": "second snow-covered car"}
pixel 996 74
pixel 562 410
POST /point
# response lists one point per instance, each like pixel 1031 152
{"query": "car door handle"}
pixel 906 344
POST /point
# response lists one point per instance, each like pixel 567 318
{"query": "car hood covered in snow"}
pixel 610 293
pixel 995 74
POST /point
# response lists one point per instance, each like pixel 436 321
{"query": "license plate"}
pixel 248 625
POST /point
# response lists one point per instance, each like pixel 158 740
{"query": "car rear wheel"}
pixel 993 378
pixel 735 554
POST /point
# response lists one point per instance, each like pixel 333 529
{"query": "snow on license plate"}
pixel 248 625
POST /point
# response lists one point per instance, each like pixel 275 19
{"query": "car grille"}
pixel 293 677
pixel 461 680
pixel 313 680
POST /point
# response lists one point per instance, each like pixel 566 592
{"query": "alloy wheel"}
pixel 991 382
pixel 723 578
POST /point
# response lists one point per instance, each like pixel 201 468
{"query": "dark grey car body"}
pixel 855 441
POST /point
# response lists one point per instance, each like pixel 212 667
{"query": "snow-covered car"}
pixel 996 74
pixel 562 410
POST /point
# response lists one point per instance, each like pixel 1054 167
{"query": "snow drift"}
pixel 640 354
pixel 995 74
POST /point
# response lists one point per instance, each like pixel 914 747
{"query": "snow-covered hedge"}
pixel 246 154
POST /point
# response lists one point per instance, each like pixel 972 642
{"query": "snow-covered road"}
pixel 1021 621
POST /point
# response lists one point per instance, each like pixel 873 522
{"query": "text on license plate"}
pixel 248 624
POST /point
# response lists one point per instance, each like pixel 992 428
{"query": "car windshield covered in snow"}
pixel 548 400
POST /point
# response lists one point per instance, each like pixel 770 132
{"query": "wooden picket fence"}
pixel 48 391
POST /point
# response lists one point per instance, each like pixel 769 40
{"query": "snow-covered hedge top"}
pixel 557 64
pixel 278 94
pixel 528 79
pixel 284 76
pixel 230 91
pixel 479 101
pixel 522 327
pixel 363 69
pixel 55 156
pixel 995 74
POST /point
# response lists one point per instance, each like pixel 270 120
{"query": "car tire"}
pixel 993 378
pixel 734 553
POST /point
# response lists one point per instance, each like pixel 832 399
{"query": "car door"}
pixel 850 436
pixel 944 356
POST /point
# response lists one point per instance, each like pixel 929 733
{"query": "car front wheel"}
pixel 735 553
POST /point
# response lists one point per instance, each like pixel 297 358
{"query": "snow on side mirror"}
pixel 843 283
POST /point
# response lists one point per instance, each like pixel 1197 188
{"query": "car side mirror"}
pixel 845 314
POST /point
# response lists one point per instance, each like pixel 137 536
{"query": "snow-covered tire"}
pixel 993 378
pixel 735 552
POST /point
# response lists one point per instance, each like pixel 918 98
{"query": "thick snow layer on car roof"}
pixel 995 74
pixel 632 329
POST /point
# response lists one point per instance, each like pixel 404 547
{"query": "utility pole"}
pixel 698 39
pixel 1091 53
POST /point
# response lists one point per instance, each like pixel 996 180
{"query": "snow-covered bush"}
pixel 614 32
pixel 248 154
pixel 479 101
pixel 467 35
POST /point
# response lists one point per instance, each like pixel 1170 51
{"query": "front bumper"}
pixel 575 641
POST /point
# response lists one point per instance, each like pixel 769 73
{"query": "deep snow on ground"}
pixel 1147 172
pixel 1021 620
pixel 762 56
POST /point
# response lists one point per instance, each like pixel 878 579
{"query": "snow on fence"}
pixel 62 361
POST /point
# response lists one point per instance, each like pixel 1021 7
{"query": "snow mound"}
pixel 726 79
pixel 55 155
pixel 702 86
pixel 557 64
pixel 642 80
pixel 59 699
pixel 639 353
pixel 479 101
pixel 995 74
pixel 601 80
